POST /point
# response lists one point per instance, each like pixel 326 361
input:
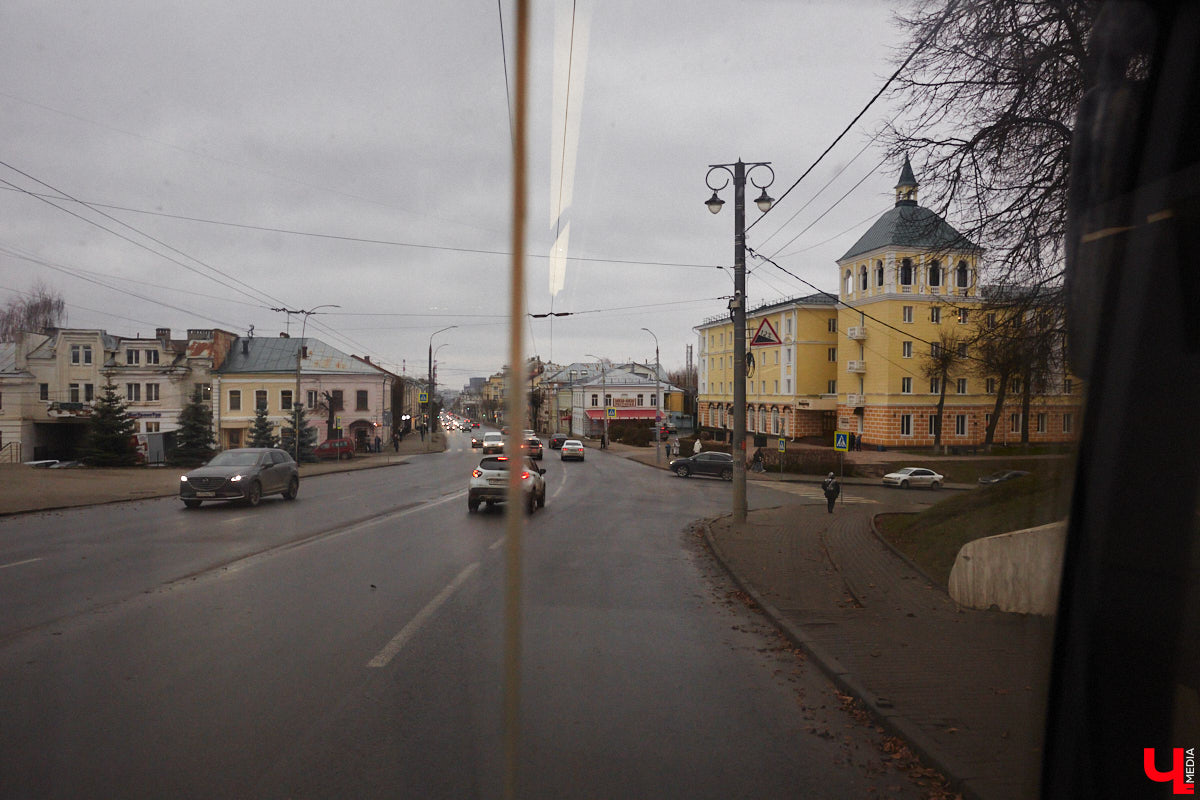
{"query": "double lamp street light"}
pixel 739 171
pixel 429 395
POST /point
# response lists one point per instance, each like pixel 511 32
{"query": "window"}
pixel 935 315
pixel 961 386
pixel 151 356
pixel 879 273
pixel 776 356
pixel 906 272
pixel 960 275
pixel 1068 385
pixel 89 393
pixel 775 421
pixel 74 392
pixel 595 400
pixel 235 400
pixel 990 386
pixel 833 354
pixel 935 385
pixel 1067 421
pixel 906 385
pixel 1015 386
pixel 641 400
pixel 934 424
pixel 153 427
pixel 960 424
pixel 907 314
pixel 1014 423
pixel 849 282
pixel 990 320
pixel 43 391
pixel 205 392
pixel 776 386
pixel 906 349
pixel 831 388
pixel 935 349
pixel 285 400
pixel 312 398
pixel 935 273
pixel 787 326
pixel 906 424
pixel 133 356
pixel 787 355
pixel 1041 423
pixel 336 400
pixel 360 400
pixel 260 398
pixel 787 385
pixel 133 392
pixel 151 392
pixel 608 401
pixel 962 316
pixel 235 437
pixel 962 349
pixel 862 277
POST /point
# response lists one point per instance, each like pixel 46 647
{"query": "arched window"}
pixel 879 273
pixel 775 416
pixel 862 277
pixel 960 277
pixel 849 282
pixel 906 272
pixel 935 273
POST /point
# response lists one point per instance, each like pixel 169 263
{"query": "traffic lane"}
pixel 70 561
pixel 227 670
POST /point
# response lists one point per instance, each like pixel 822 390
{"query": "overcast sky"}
pixel 373 140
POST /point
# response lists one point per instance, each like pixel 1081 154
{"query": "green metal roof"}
pixel 261 354
pixel 911 226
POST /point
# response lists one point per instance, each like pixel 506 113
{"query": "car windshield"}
pixel 232 458
pixel 722 250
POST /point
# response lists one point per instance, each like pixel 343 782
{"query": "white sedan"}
pixel 572 448
pixel 914 476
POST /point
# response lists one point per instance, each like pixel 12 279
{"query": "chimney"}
pixel 283 335
pixel 245 347
pixel 163 335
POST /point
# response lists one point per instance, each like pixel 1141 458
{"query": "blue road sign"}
pixel 841 441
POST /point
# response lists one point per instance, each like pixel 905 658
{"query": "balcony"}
pixel 857 332
pixel 856 400
pixel 856 366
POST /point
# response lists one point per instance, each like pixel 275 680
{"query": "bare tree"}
pixel 37 312
pixel 987 108
pixel 943 357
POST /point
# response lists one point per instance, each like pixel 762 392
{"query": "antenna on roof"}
pixel 250 333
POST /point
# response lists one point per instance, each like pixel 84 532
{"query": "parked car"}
pixel 493 442
pixel 571 449
pixel 489 483
pixel 533 447
pixel 719 465
pixel 914 476
pixel 335 448
pixel 1003 475
pixel 556 441
pixel 246 473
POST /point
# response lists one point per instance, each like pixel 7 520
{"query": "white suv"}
pixel 489 482
pixel 493 442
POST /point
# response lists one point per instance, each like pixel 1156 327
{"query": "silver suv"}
pixel 489 482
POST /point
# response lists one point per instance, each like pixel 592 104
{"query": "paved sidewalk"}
pixel 966 689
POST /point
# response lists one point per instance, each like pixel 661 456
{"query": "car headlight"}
pixel 183 478
pixel 236 478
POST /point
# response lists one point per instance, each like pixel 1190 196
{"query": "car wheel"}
pixel 727 474
pixel 254 493
pixel 683 471
pixel 903 484
pixel 293 489
pixel 472 505
pixel 541 501
pixel 531 504
pixel 935 485
pixel 192 503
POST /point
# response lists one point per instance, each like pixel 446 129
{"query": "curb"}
pixel 894 722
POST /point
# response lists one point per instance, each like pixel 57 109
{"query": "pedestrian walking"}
pixel 758 461
pixel 603 441
pixel 850 444
pixel 378 444
pixel 675 447
pixel 832 489
pixel 696 447
pixel 396 442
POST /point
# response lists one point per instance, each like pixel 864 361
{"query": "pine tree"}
pixel 262 433
pixel 194 443
pixel 308 435
pixel 110 441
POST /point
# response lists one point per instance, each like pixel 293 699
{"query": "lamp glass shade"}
pixel 764 201
pixel 714 203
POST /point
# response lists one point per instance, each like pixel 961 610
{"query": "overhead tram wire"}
pixel 921 46
pixel 365 240
pixel 836 203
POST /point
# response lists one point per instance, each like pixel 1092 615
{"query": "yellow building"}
pixel 907 289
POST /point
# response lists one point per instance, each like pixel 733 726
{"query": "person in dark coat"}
pixel 832 489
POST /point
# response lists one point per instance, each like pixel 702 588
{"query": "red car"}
pixel 335 448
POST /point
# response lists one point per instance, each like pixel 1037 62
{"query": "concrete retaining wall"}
pixel 1018 571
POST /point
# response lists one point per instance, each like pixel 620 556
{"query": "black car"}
pixel 246 473
pixel 1003 475
pixel 556 441
pixel 719 465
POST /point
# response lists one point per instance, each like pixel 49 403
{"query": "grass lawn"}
pixel 933 538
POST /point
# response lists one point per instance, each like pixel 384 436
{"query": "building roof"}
pixel 8 357
pixel 910 226
pixel 816 299
pixel 259 354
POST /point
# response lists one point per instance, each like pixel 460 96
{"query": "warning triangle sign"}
pixel 765 335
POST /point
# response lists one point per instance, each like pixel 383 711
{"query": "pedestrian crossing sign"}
pixel 423 397
pixel 782 445
pixel 841 441
pixel 610 412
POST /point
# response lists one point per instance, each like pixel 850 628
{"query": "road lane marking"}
pixel 408 631
pixel 19 563
pixel 496 545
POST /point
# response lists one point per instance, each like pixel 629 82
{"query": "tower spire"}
pixel 906 187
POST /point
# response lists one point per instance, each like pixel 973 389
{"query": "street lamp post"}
pixel 739 171
pixel 603 396
pixel 429 391
pixel 658 402
pixel 296 432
